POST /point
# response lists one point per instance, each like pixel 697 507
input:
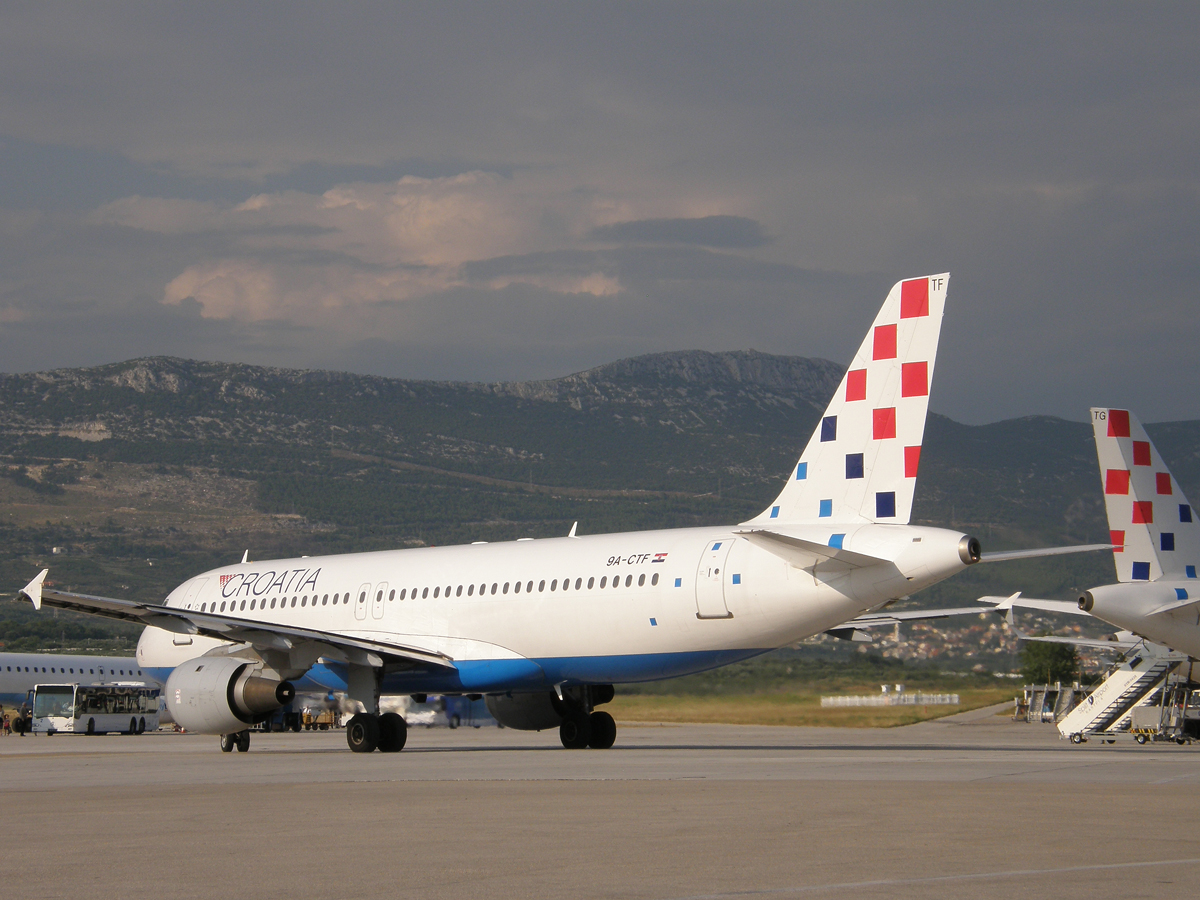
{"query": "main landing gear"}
pixel 581 727
pixel 241 740
pixel 386 733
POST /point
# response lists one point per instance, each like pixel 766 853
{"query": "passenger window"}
pixel 470 590
pixel 578 583
pixel 494 586
pixel 379 596
pixel 222 606
pixel 448 590
pixel 325 599
pixel 346 597
pixel 252 604
pixel 554 585
pixel 541 585
pixel 516 588
pixel 362 597
pixel 529 587
pixel 392 595
pixel 436 591
pixel 604 582
pixel 628 580
pixel 202 605
pixel 458 591
pixel 424 593
pixel 591 583
pixel 304 601
pixel 506 587
pixel 403 593
pixel 654 579
pixel 641 579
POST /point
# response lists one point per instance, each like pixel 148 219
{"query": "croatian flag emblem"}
pixel 659 557
pixel 225 578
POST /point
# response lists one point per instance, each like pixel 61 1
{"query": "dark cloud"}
pixel 726 232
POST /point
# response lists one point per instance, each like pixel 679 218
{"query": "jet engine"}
pixel 222 695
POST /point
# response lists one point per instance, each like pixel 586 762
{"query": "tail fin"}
pixel 861 463
pixel 1150 521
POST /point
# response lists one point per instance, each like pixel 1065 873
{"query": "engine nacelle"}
pixel 525 712
pixel 222 695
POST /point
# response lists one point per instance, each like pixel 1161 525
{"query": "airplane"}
pixel 544 628
pixel 1156 543
pixel 20 672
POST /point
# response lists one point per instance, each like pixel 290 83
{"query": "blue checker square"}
pixel 829 428
pixel 1181 593
pixel 802 471
pixel 1185 513
pixel 885 504
pixel 835 540
pixel 1191 571
pixel 1167 541
pixel 737 579
pixel 1141 571
pixel 678 582
pixel 854 465
pixel 774 512
pixel 826 509
pixel 653 621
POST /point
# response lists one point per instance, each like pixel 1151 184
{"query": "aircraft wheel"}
pixel 242 739
pixel 227 742
pixel 575 732
pixel 1141 739
pixel 393 733
pixel 603 731
pixel 362 733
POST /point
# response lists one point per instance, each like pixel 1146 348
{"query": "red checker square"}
pixel 914 298
pixel 1162 482
pixel 885 342
pixel 1116 481
pixel 856 384
pixel 912 459
pixel 1143 512
pixel 1117 538
pixel 884 422
pixel 1118 423
pixel 1141 453
pixel 914 379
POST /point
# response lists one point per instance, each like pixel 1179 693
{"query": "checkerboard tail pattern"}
pixel 861 463
pixel 1149 519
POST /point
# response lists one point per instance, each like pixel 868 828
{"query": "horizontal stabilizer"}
pixel 805 554
pixel 1002 555
pixel 1070 607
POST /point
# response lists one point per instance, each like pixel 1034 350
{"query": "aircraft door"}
pixel 710 581
pixel 377 600
pixel 360 601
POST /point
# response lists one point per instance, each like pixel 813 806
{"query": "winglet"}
pixel 33 590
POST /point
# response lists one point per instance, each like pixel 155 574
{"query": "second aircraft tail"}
pixel 1151 523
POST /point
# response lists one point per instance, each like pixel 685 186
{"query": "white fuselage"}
pixel 526 615
pixel 19 672
pixel 1138 608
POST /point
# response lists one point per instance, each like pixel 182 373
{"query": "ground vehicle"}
pixel 321 719
pixel 94 708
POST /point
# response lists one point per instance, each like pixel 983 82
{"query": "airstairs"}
pixel 1108 709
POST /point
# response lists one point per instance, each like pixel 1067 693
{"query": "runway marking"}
pixel 938 879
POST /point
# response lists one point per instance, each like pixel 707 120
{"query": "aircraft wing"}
pixel 267 635
pixel 852 630
pixel 1097 643
pixel 1002 555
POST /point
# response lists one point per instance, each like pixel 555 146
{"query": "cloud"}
pixel 730 232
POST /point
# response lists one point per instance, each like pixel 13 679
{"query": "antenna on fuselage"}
pixel 246 556
pixel 571 533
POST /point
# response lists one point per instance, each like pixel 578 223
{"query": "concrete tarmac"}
pixel 974 805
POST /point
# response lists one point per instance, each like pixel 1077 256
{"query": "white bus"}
pixel 94 708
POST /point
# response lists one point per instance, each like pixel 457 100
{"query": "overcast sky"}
pixel 507 191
